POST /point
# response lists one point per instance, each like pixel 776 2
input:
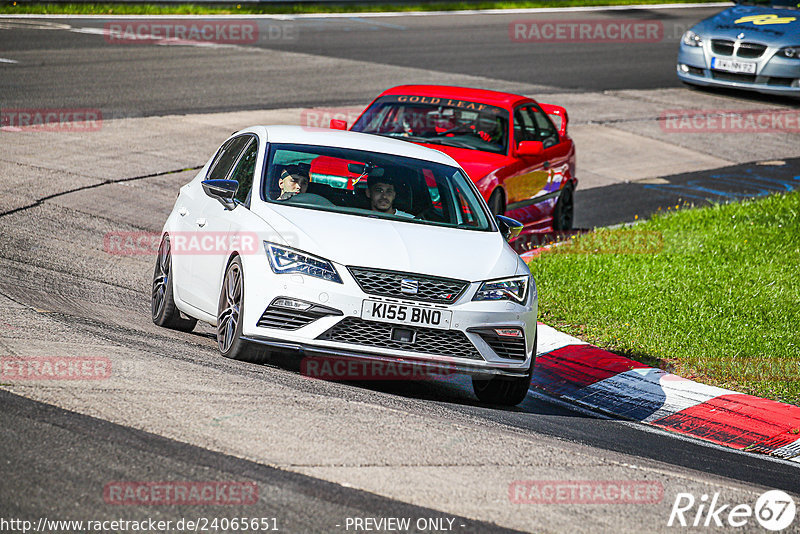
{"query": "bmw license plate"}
pixel 390 312
pixel 733 65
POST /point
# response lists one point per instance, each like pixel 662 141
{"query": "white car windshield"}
pixel 371 184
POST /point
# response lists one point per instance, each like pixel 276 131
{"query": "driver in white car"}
pixel 294 179
pixel 381 193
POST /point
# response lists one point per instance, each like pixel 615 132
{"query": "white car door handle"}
pixel 201 222
pixel 183 211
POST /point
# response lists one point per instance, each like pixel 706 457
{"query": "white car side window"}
pixel 226 157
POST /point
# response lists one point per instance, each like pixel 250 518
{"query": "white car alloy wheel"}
pixel 229 317
pixel 162 303
pixel 230 308
pixel 161 279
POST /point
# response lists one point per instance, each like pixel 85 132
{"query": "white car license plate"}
pixel 732 65
pixel 390 312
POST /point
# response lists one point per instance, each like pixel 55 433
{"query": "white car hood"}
pixel 359 241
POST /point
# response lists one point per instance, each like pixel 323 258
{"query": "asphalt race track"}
pixel 323 453
pixel 137 79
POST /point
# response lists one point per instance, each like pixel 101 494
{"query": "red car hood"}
pixel 477 163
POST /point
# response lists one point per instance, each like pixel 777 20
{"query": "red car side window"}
pixel 548 134
pixel 524 126
pixel 533 124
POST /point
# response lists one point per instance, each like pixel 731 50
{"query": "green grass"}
pixel 712 294
pixel 226 8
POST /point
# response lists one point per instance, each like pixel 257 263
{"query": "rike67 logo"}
pixel 774 510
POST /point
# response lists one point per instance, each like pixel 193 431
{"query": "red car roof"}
pixel 484 96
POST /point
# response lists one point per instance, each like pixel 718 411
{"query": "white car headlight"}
pixel 692 39
pixel 514 289
pixel 285 260
pixel 792 52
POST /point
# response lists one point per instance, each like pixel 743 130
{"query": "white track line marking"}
pixel 4 60
pixel 160 41
pixel 551 339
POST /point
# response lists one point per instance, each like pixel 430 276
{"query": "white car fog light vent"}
pixel 503 342
pixel 282 314
pixel 508 332
pixel 292 304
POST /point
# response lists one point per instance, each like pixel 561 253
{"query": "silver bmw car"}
pixel 754 45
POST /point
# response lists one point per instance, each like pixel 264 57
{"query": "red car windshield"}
pixel 440 121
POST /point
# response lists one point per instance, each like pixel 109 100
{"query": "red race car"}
pixel 525 167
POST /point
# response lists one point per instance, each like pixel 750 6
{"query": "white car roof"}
pixel 304 135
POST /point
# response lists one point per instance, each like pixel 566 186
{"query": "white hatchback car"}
pixel 287 240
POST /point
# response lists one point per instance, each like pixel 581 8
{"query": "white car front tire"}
pixel 230 318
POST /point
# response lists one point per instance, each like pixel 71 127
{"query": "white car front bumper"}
pixel 334 326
